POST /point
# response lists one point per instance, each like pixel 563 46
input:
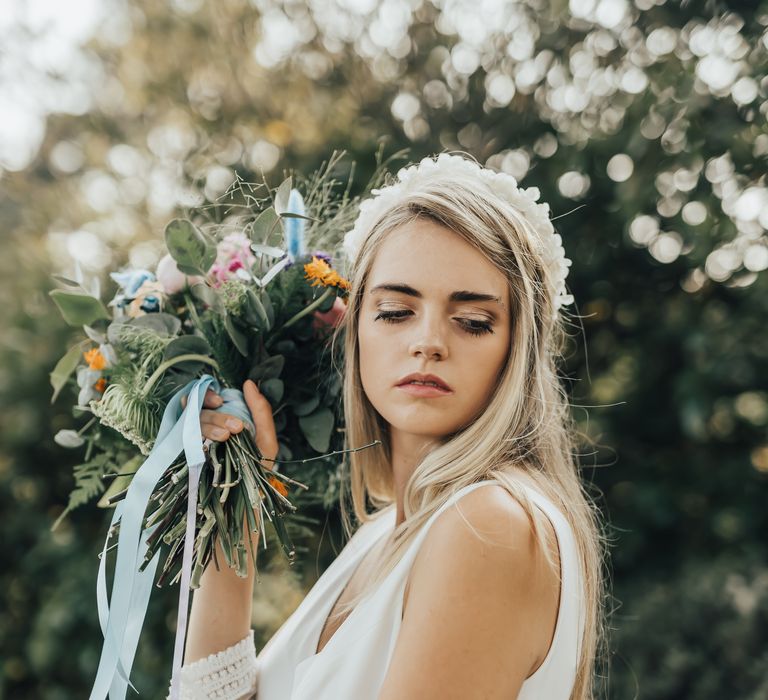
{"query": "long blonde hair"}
pixel 525 426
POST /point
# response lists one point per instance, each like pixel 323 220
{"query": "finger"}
pixel 211 431
pixel 212 399
pixel 222 420
pixel 261 411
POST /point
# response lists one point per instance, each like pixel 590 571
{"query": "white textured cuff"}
pixel 231 674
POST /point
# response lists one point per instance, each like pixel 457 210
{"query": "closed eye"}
pixel 470 325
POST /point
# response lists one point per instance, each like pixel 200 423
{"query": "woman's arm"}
pixel 221 606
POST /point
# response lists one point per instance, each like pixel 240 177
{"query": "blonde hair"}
pixel 525 426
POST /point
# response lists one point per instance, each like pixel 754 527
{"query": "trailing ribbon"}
pixel 121 622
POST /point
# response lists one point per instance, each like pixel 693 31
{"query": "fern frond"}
pixel 89 483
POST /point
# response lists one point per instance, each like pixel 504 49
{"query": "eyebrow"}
pixel 459 295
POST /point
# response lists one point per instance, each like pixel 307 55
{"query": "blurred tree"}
pixel 642 123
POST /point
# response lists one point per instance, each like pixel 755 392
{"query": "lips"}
pixel 418 376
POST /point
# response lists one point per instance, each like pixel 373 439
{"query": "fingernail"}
pixel 233 424
pixel 219 434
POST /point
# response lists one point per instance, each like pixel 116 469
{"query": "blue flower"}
pixel 294 228
pixel 131 280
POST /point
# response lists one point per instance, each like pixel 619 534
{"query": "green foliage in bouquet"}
pixel 239 296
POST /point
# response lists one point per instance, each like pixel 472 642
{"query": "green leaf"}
pixel 327 305
pixel 306 407
pixel 239 339
pixel 88 483
pixel 187 345
pixel 78 309
pixel 67 281
pixel 255 311
pixel 165 325
pixel 273 389
pixel 317 428
pixel 208 295
pixel 269 250
pixel 266 302
pixel 95 334
pixel 294 215
pixel 269 369
pixel 65 366
pixel 283 195
pixel 193 250
pixel 267 230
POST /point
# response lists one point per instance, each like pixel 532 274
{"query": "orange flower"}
pixel 323 274
pixel 100 385
pixel 279 485
pixel 95 359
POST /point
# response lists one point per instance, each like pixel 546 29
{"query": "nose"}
pixel 429 341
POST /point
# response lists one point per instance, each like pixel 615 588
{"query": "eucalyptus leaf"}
pixel 266 302
pixel 68 438
pixel 208 295
pixel 294 215
pixel 317 428
pixel 272 251
pixel 273 389
pixel 327 305
pixel 306 407
pixel 286 346
pixel 282 196
pixel 239 339
pixel 67 281
pixel 78 309
pixel 65 366
pixel 95 335
pixel 187 345
pixel 193 250
pixel 263 229
pixel 257 311
pixel 163 324
pixel 268 369
pixel 264 281
pixel 114 329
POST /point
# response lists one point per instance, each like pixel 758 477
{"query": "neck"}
pixel 407 451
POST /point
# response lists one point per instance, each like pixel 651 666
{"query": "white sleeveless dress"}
pixel 354 662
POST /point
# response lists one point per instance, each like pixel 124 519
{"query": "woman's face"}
pixel 440 322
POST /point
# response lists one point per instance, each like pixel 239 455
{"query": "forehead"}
pixel 431 257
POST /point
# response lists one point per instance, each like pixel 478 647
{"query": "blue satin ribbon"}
pixel 122 617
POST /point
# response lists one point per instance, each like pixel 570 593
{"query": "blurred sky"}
pixel 43 69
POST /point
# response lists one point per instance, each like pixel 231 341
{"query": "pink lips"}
pixel 423 390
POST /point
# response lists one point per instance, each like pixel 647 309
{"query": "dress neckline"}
pixel 386 523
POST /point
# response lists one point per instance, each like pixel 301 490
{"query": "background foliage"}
pixel 644 125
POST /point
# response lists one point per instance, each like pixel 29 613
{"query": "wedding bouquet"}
pixel 234 299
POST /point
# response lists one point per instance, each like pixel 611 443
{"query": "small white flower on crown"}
pixel 502 184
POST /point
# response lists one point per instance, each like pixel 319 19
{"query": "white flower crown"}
pixel 503 185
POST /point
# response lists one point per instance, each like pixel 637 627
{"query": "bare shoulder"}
pixel 486 522
pixel 479 602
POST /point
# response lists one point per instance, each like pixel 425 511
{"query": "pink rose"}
pixel 171 278
pixel 233 253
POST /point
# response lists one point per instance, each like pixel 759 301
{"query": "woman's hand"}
pixel 219 426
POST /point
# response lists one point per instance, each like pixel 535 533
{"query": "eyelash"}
pixel 392 316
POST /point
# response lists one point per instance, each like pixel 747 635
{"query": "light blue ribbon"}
pixel 121 622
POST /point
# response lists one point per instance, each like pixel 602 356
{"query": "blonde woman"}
pixel 478 572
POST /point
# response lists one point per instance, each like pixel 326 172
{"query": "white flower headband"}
pixel 502 184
